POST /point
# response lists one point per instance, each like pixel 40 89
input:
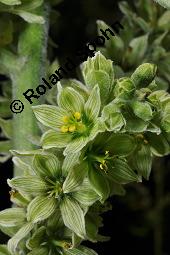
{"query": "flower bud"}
pixel 124 88
pixel 144 75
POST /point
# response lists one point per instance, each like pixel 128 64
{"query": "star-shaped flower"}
pixel 73 123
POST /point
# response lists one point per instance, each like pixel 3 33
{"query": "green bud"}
pixel 144 75
pixel 124 88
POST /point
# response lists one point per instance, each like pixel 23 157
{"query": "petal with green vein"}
pixel 76 145
pixel 39 251
pixel 49 115
pixel 41 208
pixel 12 217
pixel 4 250
pixel 70 100
pixel 52 139
pixel 70 161
pixel 80 250
pixel 46 165
pixel 23 232
pixel 75 177
pixel 29 184
pixel 92 106
pixel 73 216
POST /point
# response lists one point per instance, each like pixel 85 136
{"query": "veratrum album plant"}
pixel 101 135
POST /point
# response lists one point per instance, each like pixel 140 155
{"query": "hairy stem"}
pixel 32 51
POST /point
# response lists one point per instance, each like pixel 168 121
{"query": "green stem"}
pixel 32 50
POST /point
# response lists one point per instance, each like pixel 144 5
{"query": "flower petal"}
pixel 46 165
pixel 73 216
pixel 92 106
pixel 70 100
pixel 76 145
pixel 12 217
pixel 41 208
pixel 23 232
pixel 28 184
pixel 52 139
pixel 49 115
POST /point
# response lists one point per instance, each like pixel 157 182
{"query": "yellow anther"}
pixel 77 115
pixel 64 129
pixel 106 152
pixel 145 141
pixel 101 166
pixel 140 136
pixel 103 162
pixel 65 119
pixel 72 128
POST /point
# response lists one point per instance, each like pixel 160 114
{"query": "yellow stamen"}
pixel 72 128
pixel 65 119
pixel 101 166
pixel 77 115
pixel 106 152
pixel 64 129
pixel 145 141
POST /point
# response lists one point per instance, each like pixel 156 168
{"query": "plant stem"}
pixel 32 50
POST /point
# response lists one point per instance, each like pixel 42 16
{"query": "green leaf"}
pixel 46 165
pixel 32 5
pixel 11 2
pixel 138 47
pixel 120 144
pixel 86 194
pixel 49 115
pixel 164 3
pixel 120 172
pixel 73 216
pixel 4 250
pixel 70 100
pixel 75 177
pixel 41 208
pixel 52 139
pixel 29 17
pixel 28 184
pixel 22 233
pixel 99 183
pixel 92 106
pixel 12 217
pixel 142 161
pixel 142 110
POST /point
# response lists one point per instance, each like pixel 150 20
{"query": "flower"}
pixel 73 123
pixel 53 188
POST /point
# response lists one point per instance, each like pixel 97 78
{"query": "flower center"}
pixel 55 188
pixel 73 123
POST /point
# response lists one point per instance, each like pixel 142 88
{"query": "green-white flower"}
pixel 52 190
pixel 73 123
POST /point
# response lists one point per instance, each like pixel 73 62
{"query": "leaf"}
pixel 120 172
pixel 12 217
pixel 11 2
pixel 137 49
pixel 164 3
pixel 99 183
pixel 49 115
pixel 92 106
pixel 75 177
pixel 23 232
pixel 29 184
pixel 73 216
pixel 142 160
pixel 52 139
pixel 41 208
pixel 29 17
